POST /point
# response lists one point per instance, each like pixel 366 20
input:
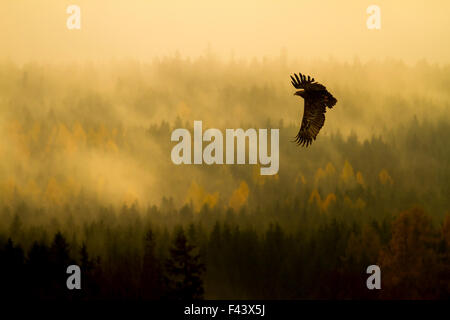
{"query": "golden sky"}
pixel 115 29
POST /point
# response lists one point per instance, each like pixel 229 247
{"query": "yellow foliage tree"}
pixel 331 198
pixel 200 197
pixel 360 179
pixel 347 174
pixel 385 178
pixel 320 174
pixel 322 205
pixel 330 169
pixel 239 196
pixel 357 204
pixel 315 197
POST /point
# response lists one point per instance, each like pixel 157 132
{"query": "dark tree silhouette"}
pixel 39 271
pixel 91 274
pixel 151 277
pixel 60 260
pixel 11 270
pixel 184 270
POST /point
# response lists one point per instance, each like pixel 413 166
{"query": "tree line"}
pixel 221 259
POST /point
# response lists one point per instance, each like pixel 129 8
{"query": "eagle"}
pixel 317 98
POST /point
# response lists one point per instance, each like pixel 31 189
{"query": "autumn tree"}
pixel 409 262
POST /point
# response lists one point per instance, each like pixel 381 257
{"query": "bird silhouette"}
pixel 317 98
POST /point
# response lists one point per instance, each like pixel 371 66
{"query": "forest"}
pixel 86 178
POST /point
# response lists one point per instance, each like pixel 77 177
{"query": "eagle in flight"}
pixel 317 98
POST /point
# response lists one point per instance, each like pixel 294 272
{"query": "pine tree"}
pixel 184 270
pixel 89 279
pixel 151 279
pixel 60 260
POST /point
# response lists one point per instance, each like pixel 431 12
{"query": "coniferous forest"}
pixel 86 178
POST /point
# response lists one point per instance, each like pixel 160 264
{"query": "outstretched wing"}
pixel 317 98
pixel 301 82
pixel 312 122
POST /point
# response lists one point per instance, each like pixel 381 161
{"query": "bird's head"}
pixel 300 93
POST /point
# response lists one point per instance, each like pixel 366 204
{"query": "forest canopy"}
pixel 86 176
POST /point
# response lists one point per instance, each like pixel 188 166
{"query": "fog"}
pixel 142 29
pixel 103 130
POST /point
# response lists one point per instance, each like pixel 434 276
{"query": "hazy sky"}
pixel 113 29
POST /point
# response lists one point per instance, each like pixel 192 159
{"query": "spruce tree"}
pixel 184 270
